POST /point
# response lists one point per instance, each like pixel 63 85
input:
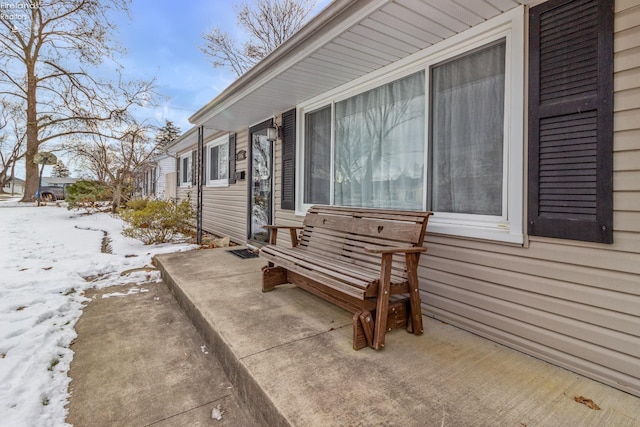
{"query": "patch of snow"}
pixel 216 413
pixel 48 254
pixel 131 291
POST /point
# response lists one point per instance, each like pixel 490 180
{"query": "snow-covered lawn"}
pixel 48 257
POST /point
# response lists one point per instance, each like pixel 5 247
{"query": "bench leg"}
pixel 363 322
pixel 383 302
pixel 362 330
pixel 415 320
pixel 272 277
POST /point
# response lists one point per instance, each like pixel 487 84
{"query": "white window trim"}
pixel 188 183
pixel 217 182
pixel 509 227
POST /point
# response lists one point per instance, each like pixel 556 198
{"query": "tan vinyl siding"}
pixel 282 216
pixel 224 209
pixel 575 304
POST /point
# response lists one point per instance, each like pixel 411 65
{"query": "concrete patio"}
pixel 289 355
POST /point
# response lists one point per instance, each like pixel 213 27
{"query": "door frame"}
pixel 255 128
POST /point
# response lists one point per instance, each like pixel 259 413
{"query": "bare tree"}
pixel 115 159
pixel 50 52
pixel 266 23
pixel 12 147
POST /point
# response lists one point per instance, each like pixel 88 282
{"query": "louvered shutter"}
pixel 177 171
pixel 287 199
pixel 571 120
pixel 194 154
pixel 232 158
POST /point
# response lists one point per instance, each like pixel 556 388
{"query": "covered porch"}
pixel 289 355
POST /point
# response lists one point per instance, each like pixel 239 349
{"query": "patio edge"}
pixel 255 399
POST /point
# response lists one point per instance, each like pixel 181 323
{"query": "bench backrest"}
pixel 343 233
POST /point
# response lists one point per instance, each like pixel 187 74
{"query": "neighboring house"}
pixel 58 182
pixel 156 178
pixel 15 186
pixel 516 122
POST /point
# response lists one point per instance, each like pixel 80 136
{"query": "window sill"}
pixel 218 184
pixel 494 232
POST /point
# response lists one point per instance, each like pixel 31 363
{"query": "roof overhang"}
pixel 347 40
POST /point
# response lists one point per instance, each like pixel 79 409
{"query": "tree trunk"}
pixel 31 169
pixel 117 193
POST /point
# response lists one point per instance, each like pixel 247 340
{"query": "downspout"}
pixel 199 183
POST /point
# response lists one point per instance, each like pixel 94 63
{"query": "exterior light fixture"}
pixel 272 133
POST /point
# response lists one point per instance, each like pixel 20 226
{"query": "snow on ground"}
pixel 48 257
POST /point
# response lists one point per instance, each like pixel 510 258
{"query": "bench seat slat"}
pixel 398 284
pixel 365 268
pixel 347 286
pixel 358 257
pixel 370 273
pixel 343 272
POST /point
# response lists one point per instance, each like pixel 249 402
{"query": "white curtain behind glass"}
pixel 468 132
pixel 317 158
pixel 379 146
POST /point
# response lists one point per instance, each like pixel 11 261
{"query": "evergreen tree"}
pixel 167 134
pixel 60 170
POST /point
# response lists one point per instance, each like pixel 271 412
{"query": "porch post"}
pixel 199 179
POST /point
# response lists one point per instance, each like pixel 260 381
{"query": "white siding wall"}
pixel 166 165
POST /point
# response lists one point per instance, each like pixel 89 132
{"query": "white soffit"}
pixel 373 38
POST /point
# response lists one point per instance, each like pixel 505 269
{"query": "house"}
pixel 14 186
pixel 55 181
pixel 157 177
pixel 515 121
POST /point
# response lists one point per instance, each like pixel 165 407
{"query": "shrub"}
pixel 87 194
pixel 158 221
pixel 137 204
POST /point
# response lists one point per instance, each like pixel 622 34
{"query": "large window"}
pixel 218 162
pixel 378 157
pixel 379 146
pixel 467 133
pixel 442 134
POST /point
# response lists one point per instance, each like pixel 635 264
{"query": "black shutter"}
pixel 232 158
pixel 571 120
pixel 205 174
pixel 287 199
pixel 177 172
pixel 194 158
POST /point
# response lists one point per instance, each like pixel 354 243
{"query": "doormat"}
pixel 243 253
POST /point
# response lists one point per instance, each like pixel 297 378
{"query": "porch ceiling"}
pixel 345 41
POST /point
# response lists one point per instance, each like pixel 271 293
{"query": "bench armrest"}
pixel 395 249
pixel 274 233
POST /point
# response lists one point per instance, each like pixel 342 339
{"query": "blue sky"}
pixel 163 39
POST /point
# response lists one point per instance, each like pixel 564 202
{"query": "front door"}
pixel 261 183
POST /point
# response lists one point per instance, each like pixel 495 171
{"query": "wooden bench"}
pixel 363 260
